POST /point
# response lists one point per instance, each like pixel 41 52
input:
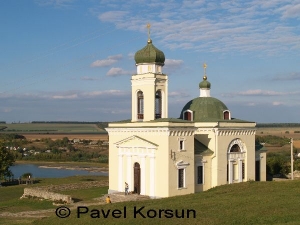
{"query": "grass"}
pixel 10 195
pixel 82 195
pixel 242 203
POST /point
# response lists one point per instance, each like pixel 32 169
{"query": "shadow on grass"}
pixel 76 200
pixel 18 182
pixel 88 179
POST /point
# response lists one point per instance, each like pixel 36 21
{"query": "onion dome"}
pixel 204 84
pixel 149 54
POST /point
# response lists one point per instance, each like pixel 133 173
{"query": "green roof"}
pixel 205 109
pixel 201 149
pixel 149 54
pixel 171 120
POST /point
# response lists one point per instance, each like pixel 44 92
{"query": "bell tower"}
pixel 149 84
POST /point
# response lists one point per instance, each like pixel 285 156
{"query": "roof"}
pixel 205 108
pixel 201 149
pixel 149 54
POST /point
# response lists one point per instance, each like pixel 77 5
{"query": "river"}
pixel 38 171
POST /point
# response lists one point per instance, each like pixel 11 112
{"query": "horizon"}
pixel 71 60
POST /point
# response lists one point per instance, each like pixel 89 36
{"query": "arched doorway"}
pixel 236 161
pixel 137 178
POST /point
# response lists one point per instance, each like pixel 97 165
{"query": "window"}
pixel 181 167
pixel 158 105
pixel 188 115
pixel 226 115
pixel 235 148
pixel 180 178
pixel 181 145
pixel 140 98
pixel 243 171
pixel 200 175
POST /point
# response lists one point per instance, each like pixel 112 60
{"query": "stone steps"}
pixel 121 197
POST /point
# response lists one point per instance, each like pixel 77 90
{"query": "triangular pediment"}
pixel 135 141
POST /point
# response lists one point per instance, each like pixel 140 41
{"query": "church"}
pixel 162 157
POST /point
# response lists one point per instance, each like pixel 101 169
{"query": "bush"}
pixel 26 175
pixel 278 164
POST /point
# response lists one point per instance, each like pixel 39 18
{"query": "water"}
pixel 38 172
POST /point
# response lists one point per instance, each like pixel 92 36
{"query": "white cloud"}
pixel 291 10
pixel 67 96
pixel 88 78
pixel 114 72
pixel 112 16
pixel 291 76
pixel 259 92
pixel 6 110
pixel 55 3
pixel 174 94
pixel 229 26
pixel 104 93
pixel 107 62
pixel 277 103
pixel 173 63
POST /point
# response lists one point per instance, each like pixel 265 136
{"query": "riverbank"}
pixel 86 166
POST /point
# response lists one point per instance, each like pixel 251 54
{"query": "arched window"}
pixel 226 115
pixel 140 106
pixel 188 115
pixel 235 148
pixel 158 105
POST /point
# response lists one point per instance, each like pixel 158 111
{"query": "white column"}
pixel 129 173
pixel 120 173
pixel 152 176
pixel 230 172
pixel 203 172
pixel 240 170
pixel 143 175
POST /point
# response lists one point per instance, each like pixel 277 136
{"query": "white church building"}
pixel 162 157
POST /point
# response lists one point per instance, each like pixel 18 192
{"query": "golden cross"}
pixel 204 66
pixel 148 27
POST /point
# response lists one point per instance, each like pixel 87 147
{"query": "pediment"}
pixel 136 141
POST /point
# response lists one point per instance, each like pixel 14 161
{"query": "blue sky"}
pixel 72 60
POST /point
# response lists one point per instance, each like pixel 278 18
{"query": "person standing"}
pixel 126 188
pixel 108 200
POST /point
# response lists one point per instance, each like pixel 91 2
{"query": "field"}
pixel 243 203
pixel 287 132
pixel 52 128
pixel 280 131
pixel 93 137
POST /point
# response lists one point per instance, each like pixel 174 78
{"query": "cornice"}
pixel 234 132
pixel 171 131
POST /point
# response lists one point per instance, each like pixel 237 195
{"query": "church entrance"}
pixel 235 165
pixel 137 178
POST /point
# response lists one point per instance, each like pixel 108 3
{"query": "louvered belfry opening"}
pixel 140 106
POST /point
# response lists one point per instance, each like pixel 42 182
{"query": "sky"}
pixel 72 60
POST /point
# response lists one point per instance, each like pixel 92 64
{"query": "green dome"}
pixel 205 108
pixel 204 83
pixel 149 54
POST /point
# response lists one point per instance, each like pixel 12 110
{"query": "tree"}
pixel 7 159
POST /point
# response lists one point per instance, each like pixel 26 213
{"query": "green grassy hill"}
pixel 244 203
